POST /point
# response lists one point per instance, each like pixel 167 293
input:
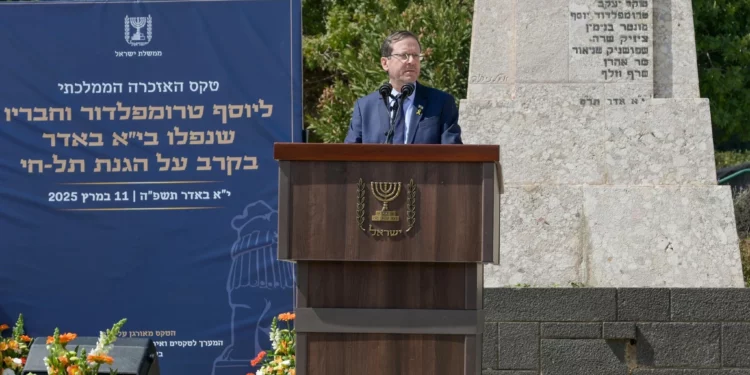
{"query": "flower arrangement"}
pixel 62 361
pixel 14 349
pixel 280 360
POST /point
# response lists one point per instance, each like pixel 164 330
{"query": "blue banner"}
pixel 137 177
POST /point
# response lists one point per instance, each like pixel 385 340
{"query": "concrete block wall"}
pixel 640 331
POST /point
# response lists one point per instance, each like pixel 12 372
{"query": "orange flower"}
pixel 292 371
pixel 258 358
pixel 74 370
pixel 101 358
pixel 3 327
pixel 63 360
pixel 64 338
pixel 25 338
pixel 285 317
pixel 13 344
pixel 67 337
pixel 3 346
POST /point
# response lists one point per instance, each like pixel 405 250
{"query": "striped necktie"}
pixel 400 126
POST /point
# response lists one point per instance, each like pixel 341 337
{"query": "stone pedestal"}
pixel 622 331
pixel 607 149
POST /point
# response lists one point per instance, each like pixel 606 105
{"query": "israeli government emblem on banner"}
pixel 136 25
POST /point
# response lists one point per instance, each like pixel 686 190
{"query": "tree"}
pixel 346 53
pixel 722 35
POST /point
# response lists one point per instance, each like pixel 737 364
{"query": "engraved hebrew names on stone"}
pixel 611 41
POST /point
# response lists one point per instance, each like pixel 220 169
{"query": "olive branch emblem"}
pixel 411 205
pixel 361 194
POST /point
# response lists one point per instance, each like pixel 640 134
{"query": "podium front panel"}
pixel 388 211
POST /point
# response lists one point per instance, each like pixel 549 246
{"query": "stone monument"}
pixel 606 146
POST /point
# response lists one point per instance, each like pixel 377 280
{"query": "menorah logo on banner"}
pixel 137 24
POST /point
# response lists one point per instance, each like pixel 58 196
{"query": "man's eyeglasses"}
pixel 403 57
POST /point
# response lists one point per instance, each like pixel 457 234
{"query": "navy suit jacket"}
pixel 437 123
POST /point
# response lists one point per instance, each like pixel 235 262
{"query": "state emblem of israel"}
pixel 385 193
pixel 135 25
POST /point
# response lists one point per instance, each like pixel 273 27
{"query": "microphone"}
pixel 385 91
pixel 407 89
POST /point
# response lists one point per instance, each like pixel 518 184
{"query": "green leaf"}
pixel 722 37
pixel 347 52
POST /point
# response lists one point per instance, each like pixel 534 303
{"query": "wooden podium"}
pixel 389 242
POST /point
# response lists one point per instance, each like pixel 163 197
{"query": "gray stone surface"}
pixel 677 236
pixel 595 134
pixel 542 197
pixel 571 330
pixel 549 142
pixel 660 142
pixel 643 304
pixel 561 41
pixel 679 344
pixel 658 236
pixel 550 304
pixel 494 63
pixel 707 305
pixel 518 346
pixel 735 345
pixel 618 331
pixel 603 43
pixel 607 150
pixel 641 342
pixel 489 346
pixel 566 357
pixel 675 65
pixel 554 253
pixel 541 49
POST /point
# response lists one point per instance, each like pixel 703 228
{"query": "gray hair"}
pixel 387 47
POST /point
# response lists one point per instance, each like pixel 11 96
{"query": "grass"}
pixel 729 158
pixel 741 207
pixel 745 256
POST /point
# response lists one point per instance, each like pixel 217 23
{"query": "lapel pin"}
pixel 419 110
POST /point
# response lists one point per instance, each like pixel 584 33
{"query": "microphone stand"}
pixel 385 92
pixel 406 91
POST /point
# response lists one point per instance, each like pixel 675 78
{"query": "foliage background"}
pixel 722 36
pixel 342 41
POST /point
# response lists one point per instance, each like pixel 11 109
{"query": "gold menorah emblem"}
pixel 385 192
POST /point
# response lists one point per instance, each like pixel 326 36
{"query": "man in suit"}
pixel 428 115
